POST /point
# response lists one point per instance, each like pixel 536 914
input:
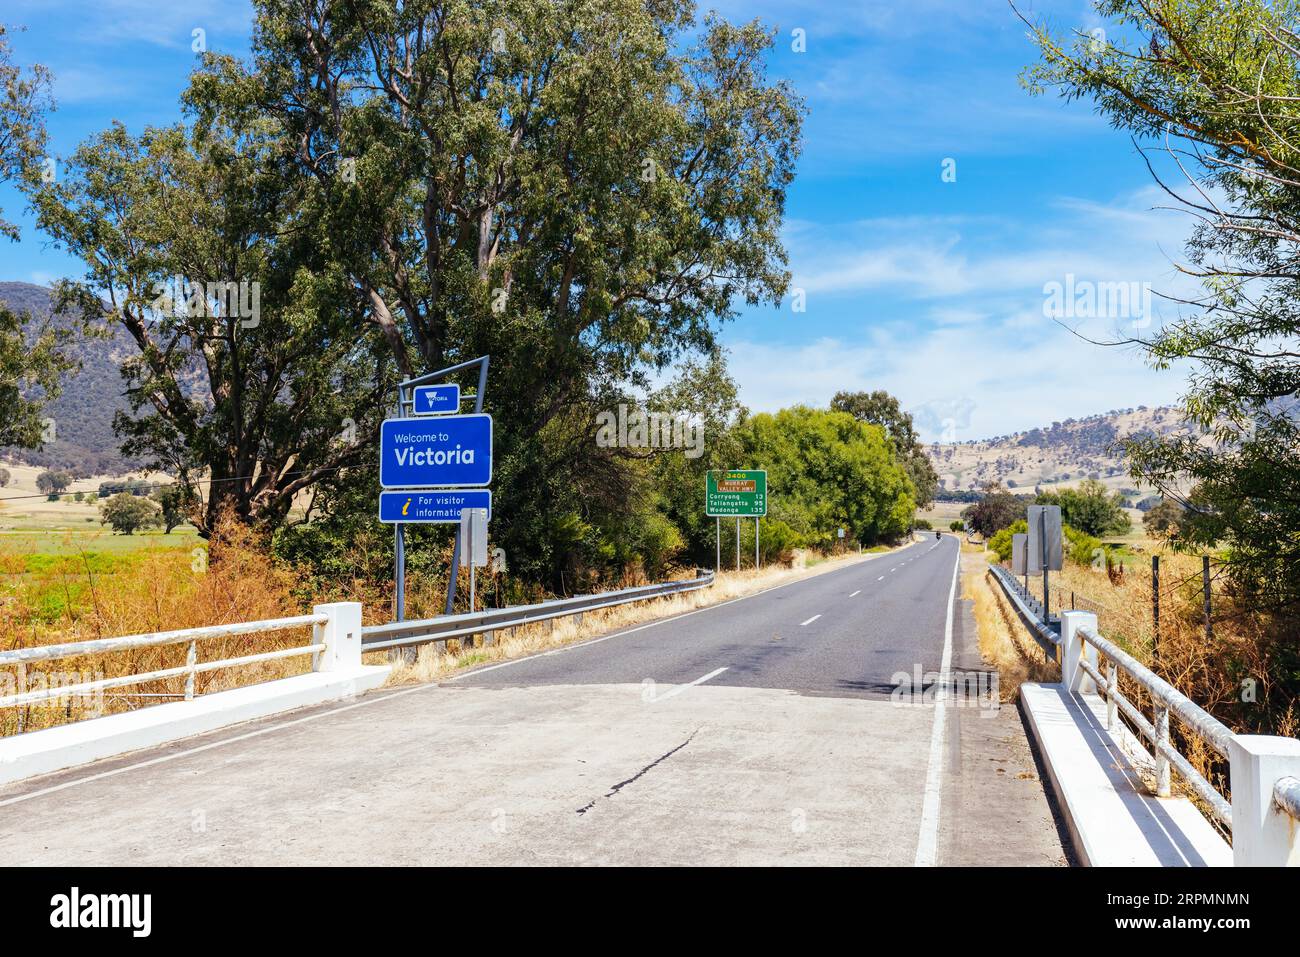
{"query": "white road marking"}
pixel 809 621
pixel 858 592
pixel 927 845
pixel 881 578
pixel 698 681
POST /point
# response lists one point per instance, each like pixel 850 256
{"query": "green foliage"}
pixel 24 101
pixel 996 509
pixel 1000 543
pixel 881 408
pixel 32 353
pixel 924 525
pixel 827 470
pixel 177 502
pixel 1091 508
pixel 134 486
pixel 128 513
pixel 1079 547
pixel 53 483
pixel 1163 520
pixel 957 525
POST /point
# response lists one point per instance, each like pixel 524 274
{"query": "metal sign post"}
pixel 474 533
pixel 1044 550
pixel 739 493
pixel 435 401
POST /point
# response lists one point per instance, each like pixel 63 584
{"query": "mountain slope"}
pixel 83 414
pixel 1066 451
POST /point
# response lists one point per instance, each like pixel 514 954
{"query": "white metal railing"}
pixel 1166 700
pixel 191 668
pixel 1264 812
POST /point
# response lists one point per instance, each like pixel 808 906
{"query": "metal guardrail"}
pixel 192 666
pixel 403 633
pixel 1030 610
pixel 1166 699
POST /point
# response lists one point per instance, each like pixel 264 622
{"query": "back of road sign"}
pixel 473 537
pixel 1044 541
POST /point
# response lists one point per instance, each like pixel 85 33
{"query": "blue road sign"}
pixel 447 451
pixel 436 399
pixel 431 505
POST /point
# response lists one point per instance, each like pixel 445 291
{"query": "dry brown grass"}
pixel 162 590
pixel 1004 641
pixel 1212 671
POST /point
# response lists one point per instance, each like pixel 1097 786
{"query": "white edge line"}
pixel 927 844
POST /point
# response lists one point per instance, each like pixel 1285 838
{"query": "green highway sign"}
pixel 741 493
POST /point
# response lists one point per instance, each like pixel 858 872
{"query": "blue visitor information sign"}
pixel 432 505
pixel 436 399
pixel 447 451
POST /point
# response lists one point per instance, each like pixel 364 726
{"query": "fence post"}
pixel 341 636
pixel 1263 835
pixel 1155 607
pixel 1073 649
pixel 1205 578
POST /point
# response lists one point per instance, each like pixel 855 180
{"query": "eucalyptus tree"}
pixel 582 190
pixel 33 350
pixel 1211 92
pixel 249 370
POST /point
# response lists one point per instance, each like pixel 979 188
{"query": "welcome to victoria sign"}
pixel 430 453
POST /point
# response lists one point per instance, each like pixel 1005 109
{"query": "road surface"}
pixel 765 730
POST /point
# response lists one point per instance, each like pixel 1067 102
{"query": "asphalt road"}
pixel 844 633
pixel 757 731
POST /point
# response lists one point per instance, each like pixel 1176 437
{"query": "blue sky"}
pixel 933 290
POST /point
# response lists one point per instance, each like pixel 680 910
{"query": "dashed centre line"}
pixel 858 592
pixel 809 621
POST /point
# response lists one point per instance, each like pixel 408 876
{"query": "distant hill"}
pixel 83 414
pixel 1066 451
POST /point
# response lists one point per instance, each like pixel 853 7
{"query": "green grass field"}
pixel 72 541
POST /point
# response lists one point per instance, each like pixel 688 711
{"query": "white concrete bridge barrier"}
pixel 1099 749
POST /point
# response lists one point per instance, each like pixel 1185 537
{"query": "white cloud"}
pixel 957 317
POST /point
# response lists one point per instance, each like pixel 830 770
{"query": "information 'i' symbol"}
pixel 406 506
